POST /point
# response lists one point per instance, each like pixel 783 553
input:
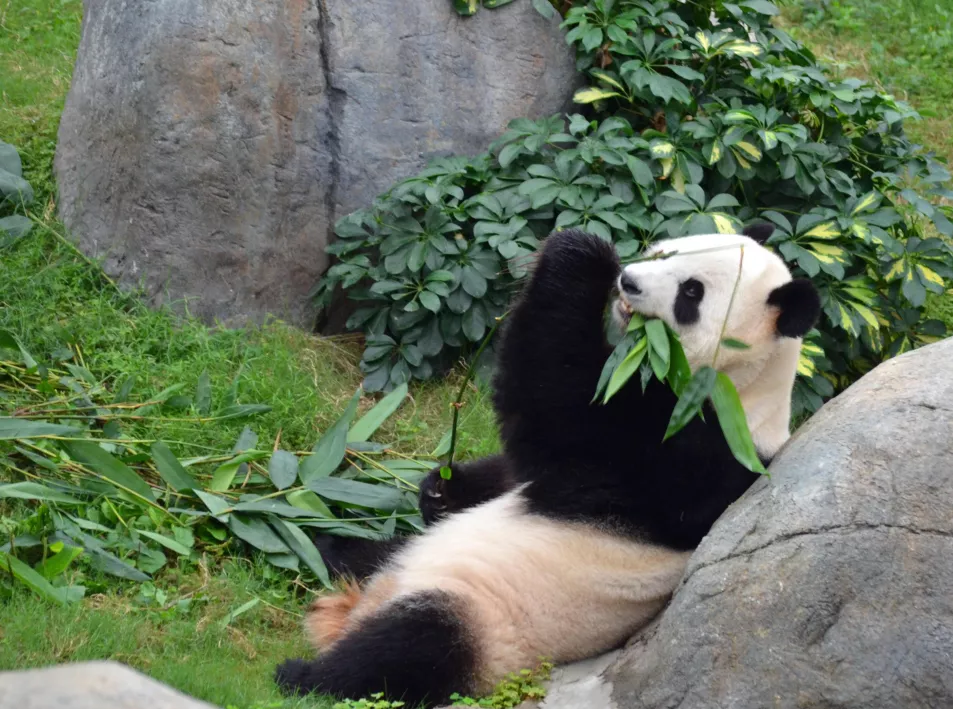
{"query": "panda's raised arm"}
pixel 553 342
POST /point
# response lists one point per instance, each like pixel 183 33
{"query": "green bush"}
pixel 695 126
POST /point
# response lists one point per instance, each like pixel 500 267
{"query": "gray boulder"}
pixel 830 584
pixel 207 148
pixel 89 685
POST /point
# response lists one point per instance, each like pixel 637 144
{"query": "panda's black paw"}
pixel 574 256
pixel 434 500
pixel 294 677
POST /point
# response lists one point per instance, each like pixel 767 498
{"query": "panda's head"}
pixel 691 292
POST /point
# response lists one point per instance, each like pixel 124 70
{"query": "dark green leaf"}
pixel 303 548
pixel 28 490
pixel 111 468
pixel 203 394
pixel 17 428
pixel 242 410
pixel 352 492
pixel 625 370
pixel 365 427
pixel 691 400
pixel 256 532
pixel 330 449
pixel 734 423
pixel 171 470
pixel 544 8
pixel 283 469
pixel 167 542
pixel 31 579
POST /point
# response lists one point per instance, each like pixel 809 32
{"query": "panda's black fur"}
pixel 600 465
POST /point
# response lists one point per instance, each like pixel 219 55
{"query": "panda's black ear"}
pixel 800 307
pixel 759 232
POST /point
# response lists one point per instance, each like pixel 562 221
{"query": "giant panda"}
pixel 576 536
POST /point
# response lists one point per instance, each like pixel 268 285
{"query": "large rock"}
pixel 89 685
pixel 207 148
pixel 831 585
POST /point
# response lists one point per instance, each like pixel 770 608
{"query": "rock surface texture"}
pixel 830 585
pixel 207 148
pixel 89 685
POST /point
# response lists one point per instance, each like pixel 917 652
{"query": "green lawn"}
pixel 50 296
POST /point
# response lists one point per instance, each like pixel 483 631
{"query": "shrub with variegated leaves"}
pixel 700 117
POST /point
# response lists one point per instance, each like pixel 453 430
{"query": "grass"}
pixel 50 297
pixel 190 649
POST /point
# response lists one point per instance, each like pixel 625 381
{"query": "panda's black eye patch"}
pixel 690 294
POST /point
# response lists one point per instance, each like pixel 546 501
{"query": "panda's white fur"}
pixel 516 579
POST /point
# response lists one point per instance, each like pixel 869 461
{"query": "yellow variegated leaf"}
pixel 770 139
pixel 743 49
pixel 860 230
pixel 667 165
pixel 896 270
pixel 866 201
pixel 876 341
pixel 929 339
pixel 909 275
pixel 603 76
pixel 678 182
pixel 845 320
pixel 930 275
pixel 592 94
pixel 750 149
pixel 812 349
pixel 662 150
pixel 703 40
pixel 825 230
pixel 835 253
pixel 805 366
pixel 866 313
pixel 723 224
pixel 739 115
pixel 715 152
pixel 741 161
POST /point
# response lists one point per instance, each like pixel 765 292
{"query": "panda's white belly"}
pixel 536 587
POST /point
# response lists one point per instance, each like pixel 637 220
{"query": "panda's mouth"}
pixel 623 310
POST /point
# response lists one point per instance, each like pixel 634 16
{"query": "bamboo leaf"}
pixel 257 533
pixel 167 542
pixel 283 469
pixel 691 400
pixel 12 428
pixel 29 490
pixel 171 470
pixel 111 468
pixel 625 370
pixel 31 579
pixel 373 419
pixel 330 449
pixel 303 548
pixel 352 492
pixel 734 423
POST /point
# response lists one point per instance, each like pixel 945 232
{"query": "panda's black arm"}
pixel 470 484
pixel 553 344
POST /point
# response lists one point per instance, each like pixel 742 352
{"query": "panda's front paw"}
pixel 433 499
pixel 579 256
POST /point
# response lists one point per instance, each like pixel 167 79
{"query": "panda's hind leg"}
pixel 417 648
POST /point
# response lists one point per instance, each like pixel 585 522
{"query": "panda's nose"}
pixel 628 285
